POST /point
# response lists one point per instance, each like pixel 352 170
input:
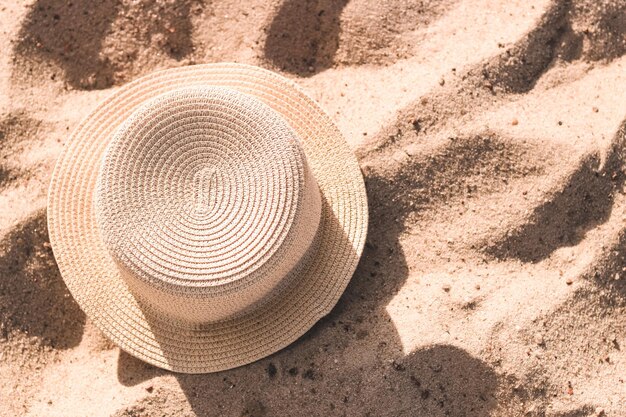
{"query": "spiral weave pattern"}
pixel 206 203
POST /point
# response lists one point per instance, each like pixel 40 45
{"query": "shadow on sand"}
pixel 351 358
pixel 72 34
pixel 304 36
pixel 33 297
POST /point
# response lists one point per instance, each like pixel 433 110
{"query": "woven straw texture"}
pixel 201 255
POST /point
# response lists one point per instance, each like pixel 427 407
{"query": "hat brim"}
pixel 95 282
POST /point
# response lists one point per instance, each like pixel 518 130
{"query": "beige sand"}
pixel 492 137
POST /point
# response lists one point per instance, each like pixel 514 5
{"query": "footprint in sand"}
pixel 95 45
pixel 16 132
pixel 34 301
pixel 306 37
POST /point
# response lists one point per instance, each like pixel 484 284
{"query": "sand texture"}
pixel 492 138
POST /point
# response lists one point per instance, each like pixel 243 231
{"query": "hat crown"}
pixel 205 201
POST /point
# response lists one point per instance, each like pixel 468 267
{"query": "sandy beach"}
pixel 492 139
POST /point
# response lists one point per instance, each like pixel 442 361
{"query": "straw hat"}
pixel 205 217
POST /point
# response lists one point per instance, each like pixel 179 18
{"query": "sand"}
pixel 492 137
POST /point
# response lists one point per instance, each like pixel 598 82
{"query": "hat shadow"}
pixel 34 300
pixel 353 357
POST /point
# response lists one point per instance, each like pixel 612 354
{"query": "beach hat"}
pixel 207 216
